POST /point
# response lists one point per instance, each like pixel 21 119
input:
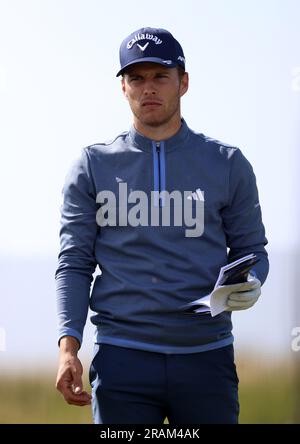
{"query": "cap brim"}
pixel 163 62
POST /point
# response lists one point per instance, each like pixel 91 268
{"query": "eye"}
pixel 135 78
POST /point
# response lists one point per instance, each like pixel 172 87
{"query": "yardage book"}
pixel 230 279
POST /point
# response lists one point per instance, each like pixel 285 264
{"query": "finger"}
pixel 245 296
pixel 242 299
pixel 237 298
pixel 83 398
pixel 240 305
pixel 78 404
pixel 77 380
pixel 236 308
pixel 249 285
pixel 68 390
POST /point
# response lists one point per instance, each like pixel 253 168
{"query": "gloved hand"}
pixel 246 296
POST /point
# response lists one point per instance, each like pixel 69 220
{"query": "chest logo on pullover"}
pixel 197 195
pixel 182 209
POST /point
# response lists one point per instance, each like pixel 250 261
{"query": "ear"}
pixel 184 84
pixel 123 84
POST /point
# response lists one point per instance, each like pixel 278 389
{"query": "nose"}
pixel 149 88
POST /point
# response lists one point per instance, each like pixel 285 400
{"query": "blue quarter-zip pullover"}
pixel 149 271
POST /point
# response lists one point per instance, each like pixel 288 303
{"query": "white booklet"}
pixel 231 278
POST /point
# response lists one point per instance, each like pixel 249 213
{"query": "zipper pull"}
pixel 159 178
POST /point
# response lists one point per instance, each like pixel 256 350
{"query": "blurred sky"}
pixel 58 93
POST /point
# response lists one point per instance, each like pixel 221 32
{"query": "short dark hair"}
pixel 181 72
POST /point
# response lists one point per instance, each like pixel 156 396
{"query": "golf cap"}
pixel 151 45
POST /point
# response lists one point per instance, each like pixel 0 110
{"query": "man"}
pixel 123 209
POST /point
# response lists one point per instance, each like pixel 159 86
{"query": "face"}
pixel 153 92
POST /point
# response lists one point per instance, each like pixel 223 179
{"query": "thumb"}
pixel 77 381
pixel 249 285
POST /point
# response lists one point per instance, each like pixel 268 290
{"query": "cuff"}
pixel 70 332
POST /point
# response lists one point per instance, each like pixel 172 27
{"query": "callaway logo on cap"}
pixel 151 45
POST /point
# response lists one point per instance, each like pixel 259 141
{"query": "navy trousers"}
pixel 140 387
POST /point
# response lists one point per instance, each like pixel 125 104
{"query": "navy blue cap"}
pixel 151 45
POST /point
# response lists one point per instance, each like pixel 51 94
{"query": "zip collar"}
pixel 146 144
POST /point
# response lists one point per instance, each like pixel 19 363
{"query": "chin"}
pixel 154 121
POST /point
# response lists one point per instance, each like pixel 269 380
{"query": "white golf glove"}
pixel 246 296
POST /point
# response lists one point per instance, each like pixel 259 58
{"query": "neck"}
pixel 162 132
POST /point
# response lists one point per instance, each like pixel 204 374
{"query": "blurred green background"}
pixel 268 394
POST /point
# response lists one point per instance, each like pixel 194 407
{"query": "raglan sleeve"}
pixel 242 216
pixel 76 259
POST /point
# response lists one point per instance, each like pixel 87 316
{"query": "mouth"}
pixel 151 103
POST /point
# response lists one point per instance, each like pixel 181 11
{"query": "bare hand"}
pixel 69 380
